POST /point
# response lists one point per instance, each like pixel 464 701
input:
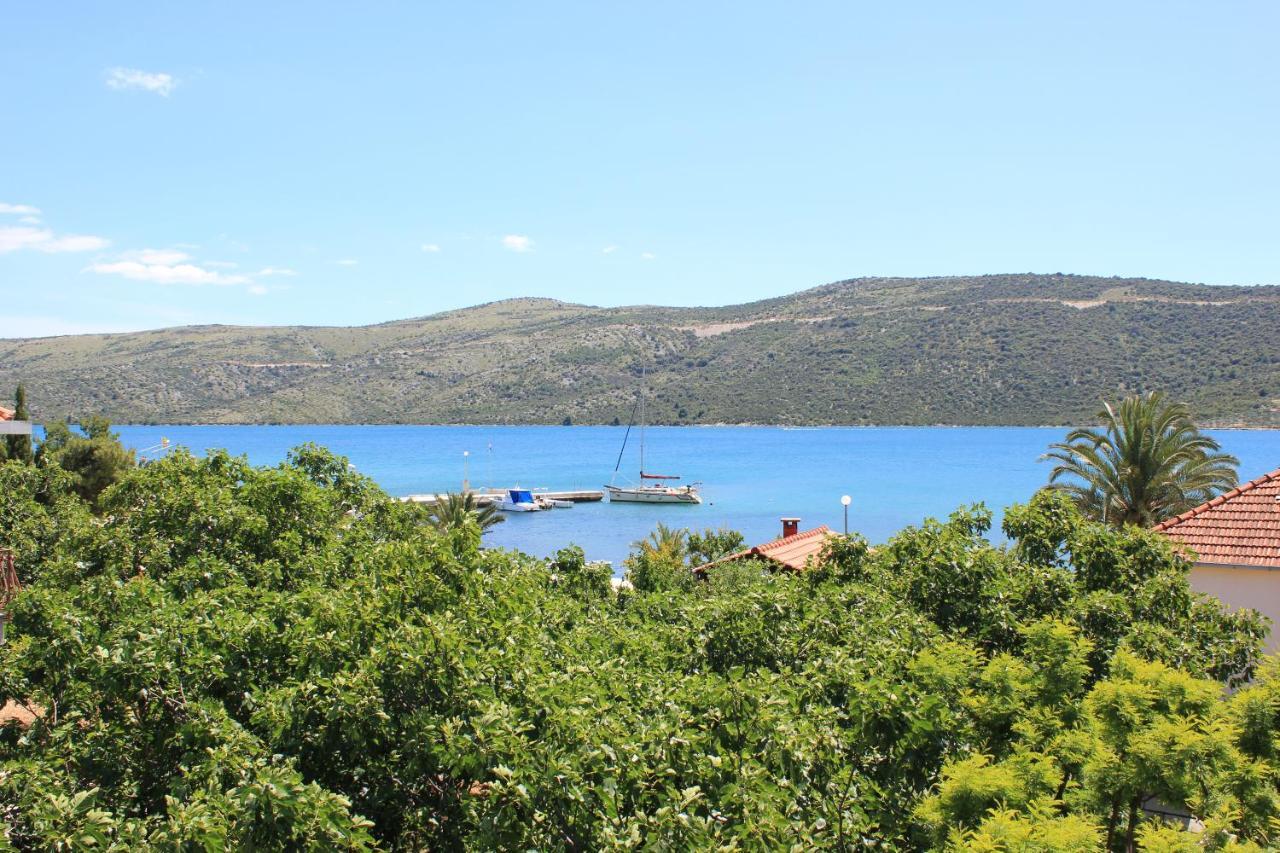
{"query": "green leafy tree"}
pixel 1154 736
pixel 711 545
pixel 1122 586
pixel 42 519
pixel 948 571
pixel 972 787
pixel 56 436
pixel 586 580
pixel 658 561
pixel 845 558
pixel 94 457
pixel 1037 829
pixel 1146 463
pixel 1097 759
pixel 284 657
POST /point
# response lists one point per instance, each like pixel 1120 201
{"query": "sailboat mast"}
pixel 642 379
pixel 621 450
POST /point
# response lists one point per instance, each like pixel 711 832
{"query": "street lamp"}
pixel 845 500
pixel 466 482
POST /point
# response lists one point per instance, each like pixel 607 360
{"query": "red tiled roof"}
pixel 18 713
pixel 9 585
pixel 6 414
pixel 793 551
pixel 1239 528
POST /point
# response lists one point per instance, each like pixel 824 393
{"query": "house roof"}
pixel 18 713
pixel 9 585
pixel 792 551
pixel 6 414
pixel 1239 528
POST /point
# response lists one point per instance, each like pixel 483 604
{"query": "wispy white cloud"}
pixel 608 250
pixel 157 257
pixel 16 237
pixel 156 82
pixel 174 265
pixel 346 262
pixel 517 243
pixel 165 273
pixel 647 256
pixel 430 247
pixel 164 266
pixel 32 234
pixel 75 243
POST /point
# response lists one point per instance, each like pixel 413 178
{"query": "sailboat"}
pixel 653 488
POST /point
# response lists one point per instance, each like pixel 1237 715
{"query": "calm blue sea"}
pixel 750 476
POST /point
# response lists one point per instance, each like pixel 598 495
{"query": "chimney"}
pixel 790 526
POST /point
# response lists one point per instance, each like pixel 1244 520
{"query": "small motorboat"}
pixel 519 500
pixel 553 503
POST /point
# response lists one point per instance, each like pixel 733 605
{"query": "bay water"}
pixel 750 476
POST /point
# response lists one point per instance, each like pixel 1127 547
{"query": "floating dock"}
pixel 489 496
pixel 584 496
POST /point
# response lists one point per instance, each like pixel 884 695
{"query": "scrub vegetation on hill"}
pixel 214 655
pixel 1005 349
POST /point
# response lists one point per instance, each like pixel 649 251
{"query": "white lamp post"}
pixel 845 500
pixel 466 461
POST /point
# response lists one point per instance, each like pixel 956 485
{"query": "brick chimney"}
pixel 790 527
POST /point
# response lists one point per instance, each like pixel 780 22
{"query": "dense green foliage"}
pixel 92 454
pixel 268 658
pixel 1146 463
pixel 665 559
pixel 18 446
pixel 1000 349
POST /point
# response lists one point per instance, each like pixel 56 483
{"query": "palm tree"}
pixel 454 510
pixel 665 543
pixel 1148 462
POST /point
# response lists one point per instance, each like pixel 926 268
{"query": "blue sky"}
pixel 173 163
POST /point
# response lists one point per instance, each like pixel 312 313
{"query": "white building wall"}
pixel 1243 586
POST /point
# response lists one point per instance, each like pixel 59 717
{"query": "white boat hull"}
pixel 507 506
pixel 652 495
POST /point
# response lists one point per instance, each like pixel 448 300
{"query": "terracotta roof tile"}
pixel 1239 527
pixel 793 551
pixel 13 711
pixel 9 585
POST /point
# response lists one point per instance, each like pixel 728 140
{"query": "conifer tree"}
pixel 19 446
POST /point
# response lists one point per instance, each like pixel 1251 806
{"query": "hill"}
pixel 999 349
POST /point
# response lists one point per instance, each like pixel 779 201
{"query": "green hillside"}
pixel 1001 349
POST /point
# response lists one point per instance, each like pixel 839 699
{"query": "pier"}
pixel 489 496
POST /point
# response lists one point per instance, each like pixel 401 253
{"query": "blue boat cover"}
pixel 520 496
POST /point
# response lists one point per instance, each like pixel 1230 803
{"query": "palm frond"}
pixel 1145 462
pixel 455 510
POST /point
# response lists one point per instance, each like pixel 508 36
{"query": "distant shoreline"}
pixel 184 424
pixel 888 351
